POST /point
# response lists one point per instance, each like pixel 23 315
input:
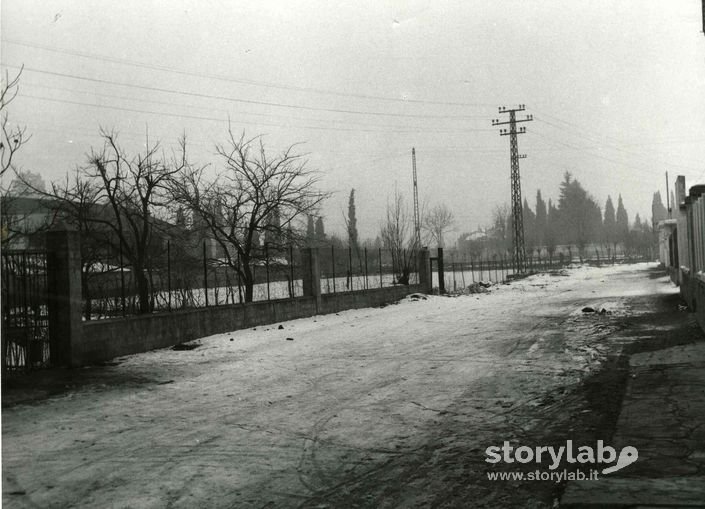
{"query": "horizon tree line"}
pixel 574 220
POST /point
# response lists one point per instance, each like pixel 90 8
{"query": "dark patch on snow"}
pixel 479 287
pixel 108 363
pixel 185 346
pixel 601 311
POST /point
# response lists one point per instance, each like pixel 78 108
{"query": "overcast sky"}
pixel 616 88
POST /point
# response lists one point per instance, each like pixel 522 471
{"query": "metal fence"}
pixel 180 278
pixel 25 323
pixel 185 278
pixel 463 270
pixel 350 269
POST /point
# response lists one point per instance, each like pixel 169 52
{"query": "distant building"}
pixel 24 221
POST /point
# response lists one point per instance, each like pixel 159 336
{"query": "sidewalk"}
pixel 663 416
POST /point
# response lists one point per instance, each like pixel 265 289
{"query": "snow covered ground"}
pixel 359 408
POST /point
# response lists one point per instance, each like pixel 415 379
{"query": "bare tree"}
pixel 437 222
pixel 500 231
pixel 118 198
pixel 11 140
pixel 238 205
pixel 397 233
pixel 13 137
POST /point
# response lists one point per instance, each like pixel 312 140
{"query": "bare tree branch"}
pixel 12 137
pixel 117 198
pixel 397 235
pixel 437 222
pixel 255 194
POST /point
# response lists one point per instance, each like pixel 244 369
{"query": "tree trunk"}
pixel 404 277
pixel 249 280
pixel 142 289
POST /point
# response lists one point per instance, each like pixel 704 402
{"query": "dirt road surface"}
pixel 390 407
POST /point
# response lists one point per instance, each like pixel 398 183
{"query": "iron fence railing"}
pixel 25 323
pixel 182 279
pixel 350 269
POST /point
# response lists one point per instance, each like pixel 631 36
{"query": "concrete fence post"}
pixel 441 273
pixel 423 263
pixel 64 295
pixel 311 275
pixel 689 232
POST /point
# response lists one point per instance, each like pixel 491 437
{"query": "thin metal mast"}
pixel 417 219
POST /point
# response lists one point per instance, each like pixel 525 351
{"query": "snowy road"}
pixel 388 407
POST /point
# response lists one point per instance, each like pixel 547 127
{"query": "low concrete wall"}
pixel 102 340
pixel 332 303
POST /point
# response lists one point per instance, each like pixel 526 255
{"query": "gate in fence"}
pixel 25 322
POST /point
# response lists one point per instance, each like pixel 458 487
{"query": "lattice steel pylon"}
pixel 417 218
pixel 518 249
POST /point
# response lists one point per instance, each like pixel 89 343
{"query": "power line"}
pixel 245 101
pixel 618 148
pixel 225 119
pixel 598 156
pixel 594 134
pixel 220 77
pixel 266 115
pixel 599 137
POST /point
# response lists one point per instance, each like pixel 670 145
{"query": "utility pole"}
pixel 668 196
pixel 417 219
pixel 519 252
